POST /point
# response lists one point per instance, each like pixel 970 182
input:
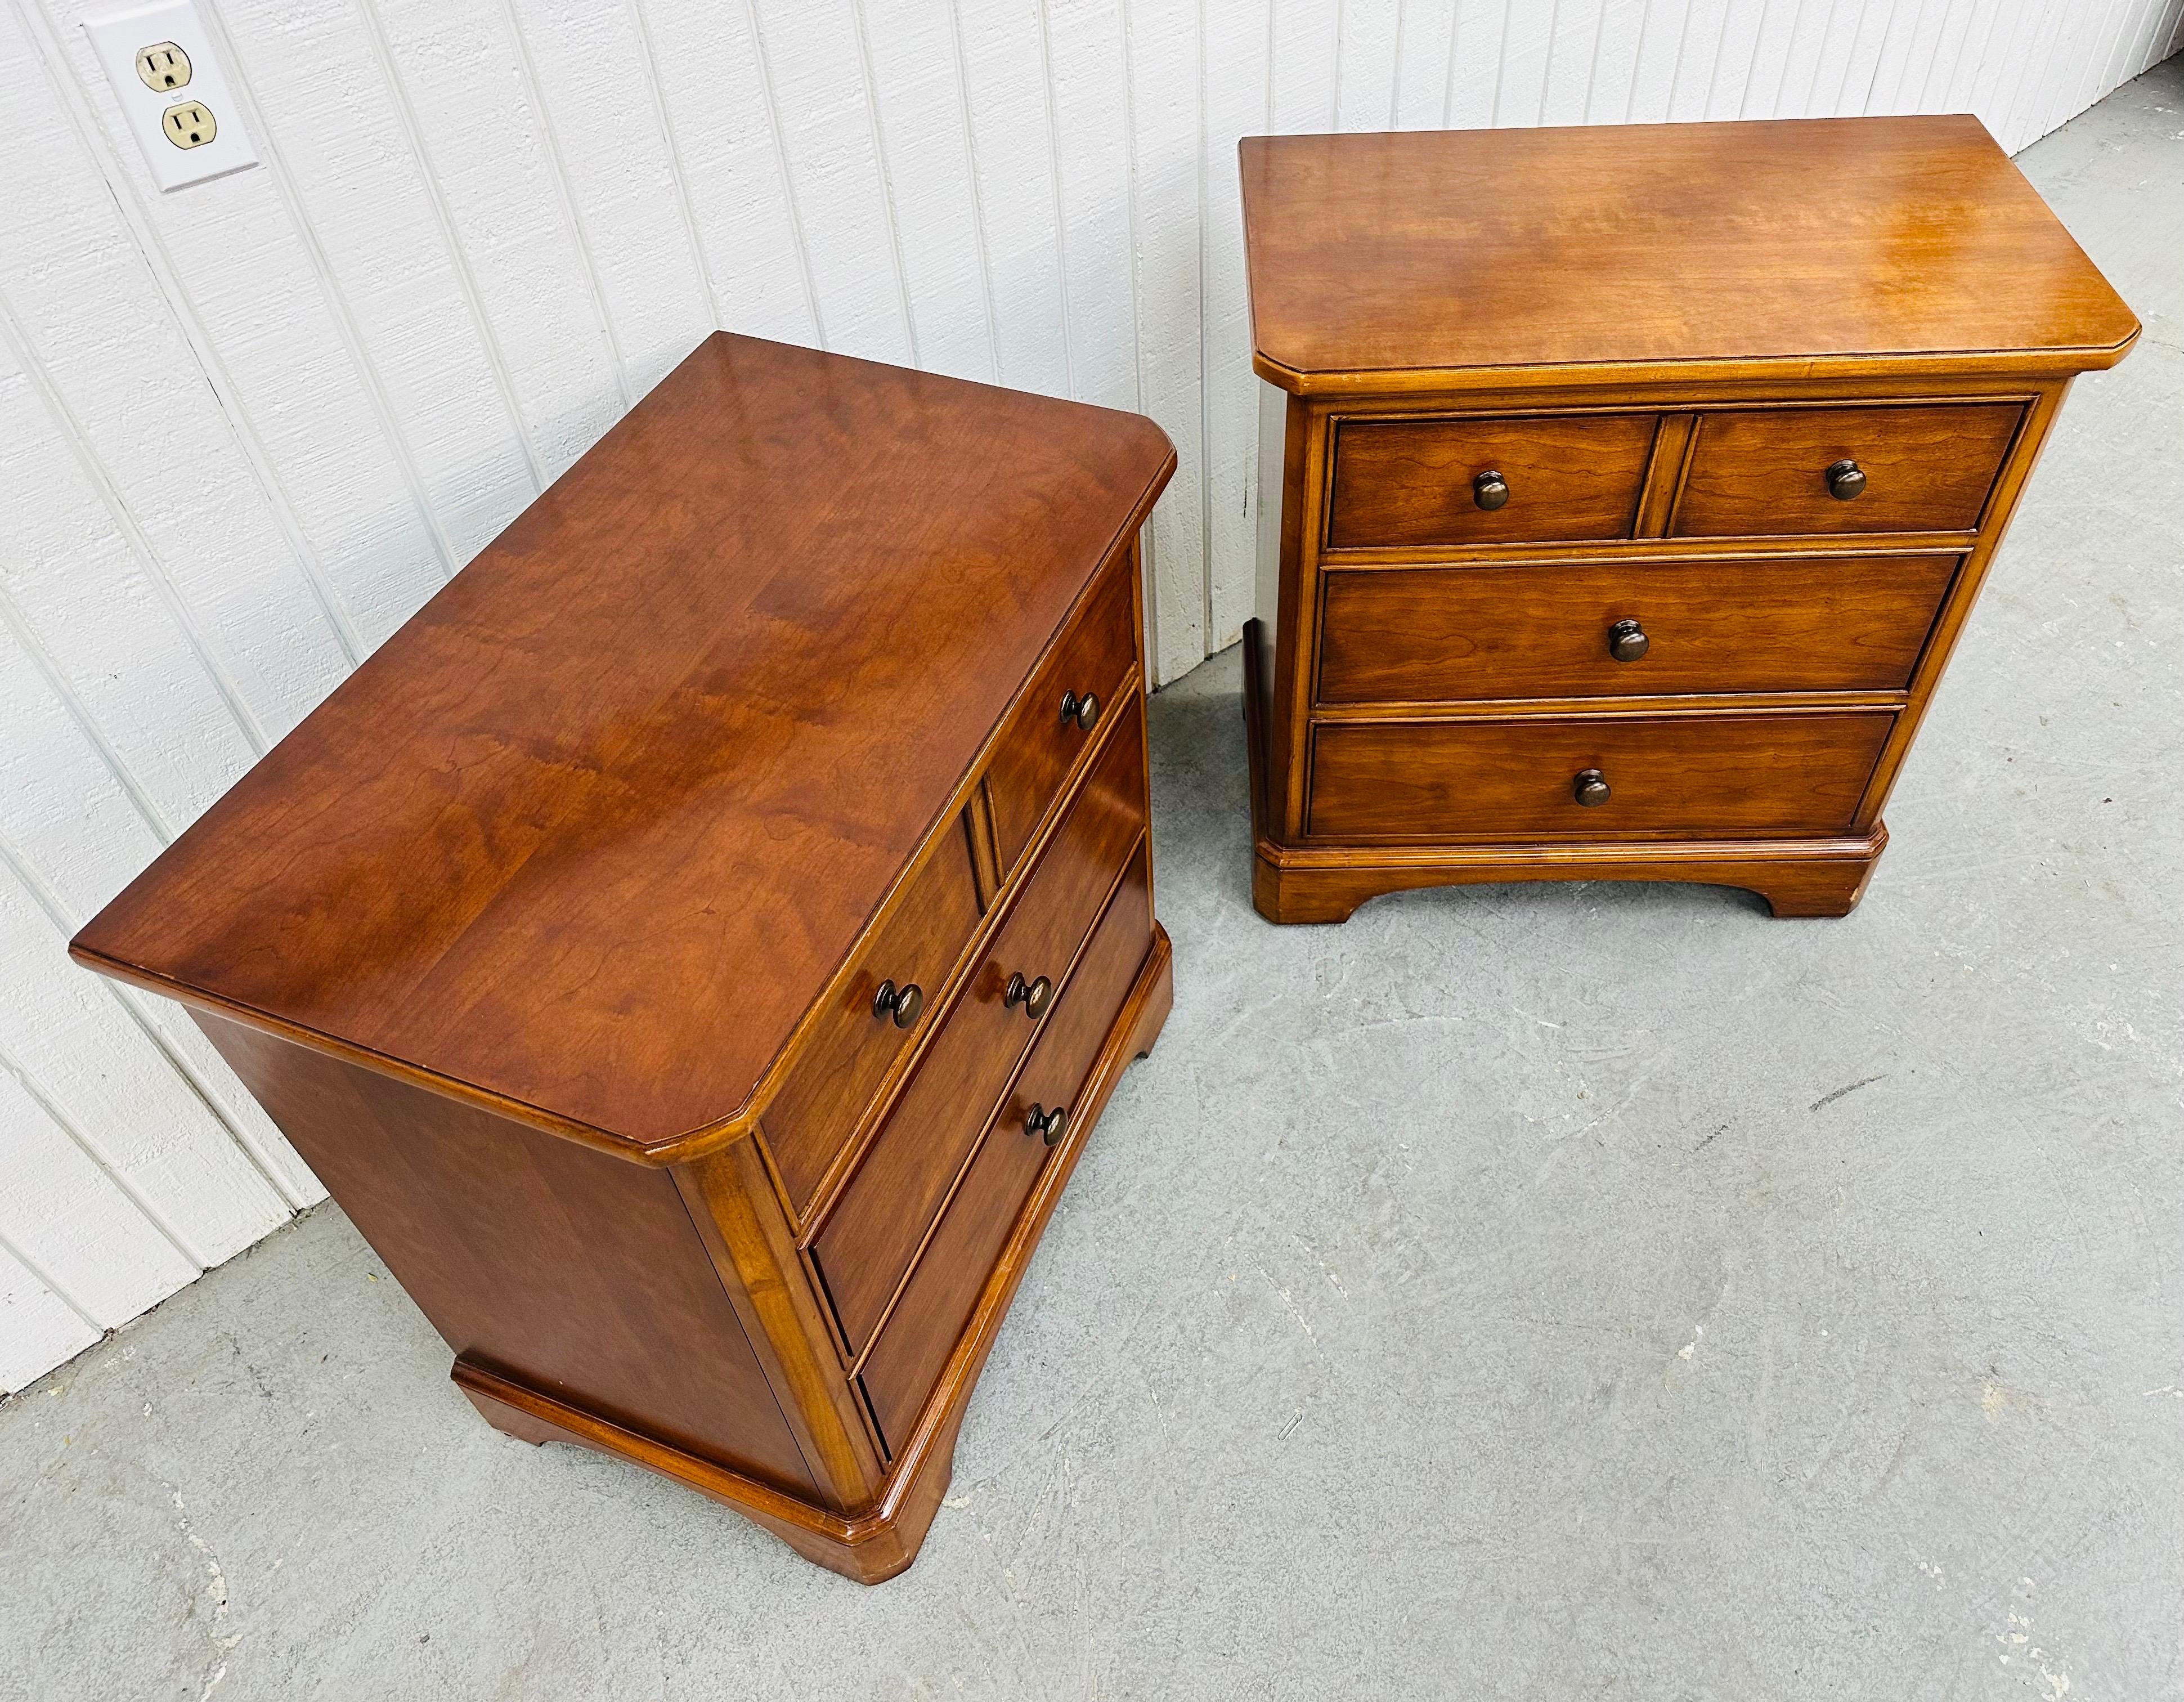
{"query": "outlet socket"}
pixel 163 66
pixel 173 93
pixel 189 125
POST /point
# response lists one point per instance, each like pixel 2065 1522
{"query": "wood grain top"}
pixel 588 836
pixel 1608 249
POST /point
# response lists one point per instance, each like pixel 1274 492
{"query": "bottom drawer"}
pixel 921 1332
pixel 1755 776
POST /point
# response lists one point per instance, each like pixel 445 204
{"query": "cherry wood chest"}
pixel 695 949
pixel 1634 485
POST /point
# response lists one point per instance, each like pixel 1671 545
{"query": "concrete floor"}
pixel 1516 1293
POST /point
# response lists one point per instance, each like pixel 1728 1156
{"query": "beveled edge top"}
pixel 1295 348
pixel 1131 454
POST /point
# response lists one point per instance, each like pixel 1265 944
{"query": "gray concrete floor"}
pixel 1516 1293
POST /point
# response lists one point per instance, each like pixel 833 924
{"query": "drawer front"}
pixel 874 1229
pixel 1404 482
pixel 1788 623
pixel 854 1043
pixel 1699 776
pixel 1038 747
pixel 1765 472
pixel 944 1291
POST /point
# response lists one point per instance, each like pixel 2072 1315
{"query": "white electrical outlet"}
pixel 168 79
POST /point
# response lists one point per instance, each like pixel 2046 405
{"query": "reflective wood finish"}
pixel 1756 471
pixel 1777 775
pixel 556 939
pixel 1443 260
pixel 1767 623
pixel 1416 481
pixel 876 1225
pixel 1635 485
pixel 725 674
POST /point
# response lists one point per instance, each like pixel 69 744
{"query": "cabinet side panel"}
pixel 574 1272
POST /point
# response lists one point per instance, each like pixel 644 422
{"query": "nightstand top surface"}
pixel 1610 249
pixel 591 832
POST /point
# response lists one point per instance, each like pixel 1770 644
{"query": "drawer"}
pixel 1040 745
pixel 875 1227
pixel 1404 482
pixel 1780 623
pixel 1762 472
pixel 913 1350
pixel 853 1043
pixel 1756 776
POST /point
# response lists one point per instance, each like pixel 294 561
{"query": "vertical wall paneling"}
pixel 923 114
pixel 714 91
pixel 832 153
pixel 508 236
pixel 248 428
pixel 38 1328
pixel 1424 30
pixel 1012 152
pixel 597 106
pixel 1088 94
pixel 1236 106
pixel 1164 44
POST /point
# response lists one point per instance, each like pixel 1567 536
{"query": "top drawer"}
pixel 1050 726
pixel 1566 478
pixel 856 1038
pixel 1795 472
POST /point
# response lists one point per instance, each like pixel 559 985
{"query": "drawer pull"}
pixel 1489 490
pixel 1627 641
pixel 1845 480
pixel 1033 995
pixel 1590 787
pixel 1084 710
pixel 902 1003
pixel 1049 1125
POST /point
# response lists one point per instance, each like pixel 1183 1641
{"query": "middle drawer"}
pixel 882 1214
pixel 1614 628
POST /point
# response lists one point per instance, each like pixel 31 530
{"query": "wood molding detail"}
pixel 695 949
pixel 1636 557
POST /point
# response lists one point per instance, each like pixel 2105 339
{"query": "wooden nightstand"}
pixel 695 949
pixel 1634 486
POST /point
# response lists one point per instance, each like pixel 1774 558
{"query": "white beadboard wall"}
pixel 247 427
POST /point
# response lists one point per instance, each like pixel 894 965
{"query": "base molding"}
pixel 872 1545
pixel 869 1548
pixel 1797 878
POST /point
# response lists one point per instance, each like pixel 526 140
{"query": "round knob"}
pixel 1489 490
pixel 901 1004
pixel 1627 641
pixel 1590 787
pixel 1084 710
pixel 1845 479
pixel 1049 1125
pixel 1033 995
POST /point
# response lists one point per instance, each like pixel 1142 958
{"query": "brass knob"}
pixel 1049 1125
pixel 901 1003
pixel 1033 995
pixel 1845 479
pixel 1084 710
pixel 1627 641
pixel 1489 490
pixel 1590 787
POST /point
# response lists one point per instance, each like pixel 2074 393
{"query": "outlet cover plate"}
pixel 118 38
